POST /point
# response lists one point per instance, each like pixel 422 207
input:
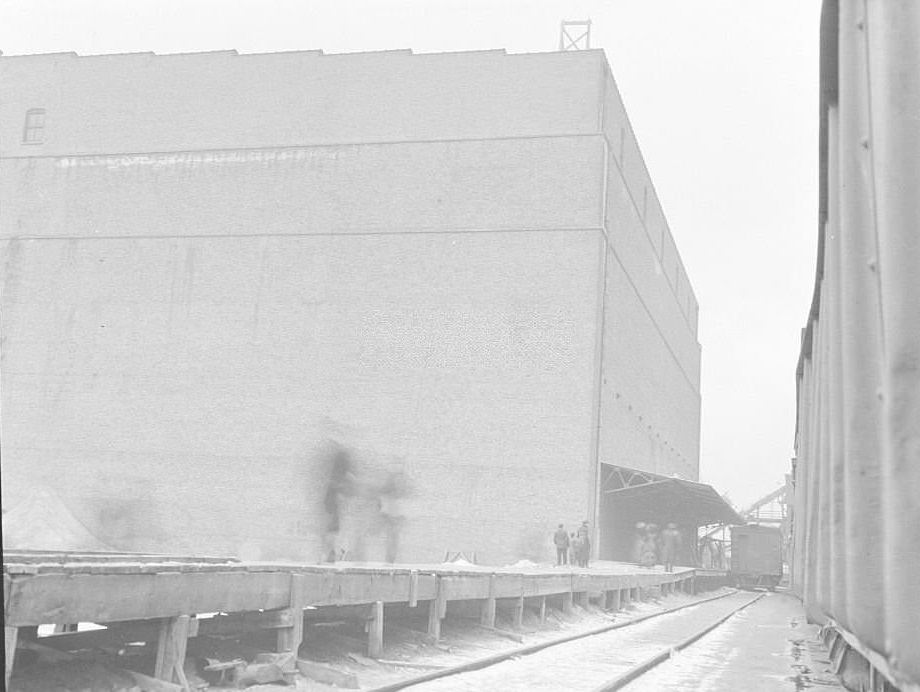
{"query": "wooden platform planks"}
pixel 154 596
pixel 326 588
pixel 67 598
pixel 79 588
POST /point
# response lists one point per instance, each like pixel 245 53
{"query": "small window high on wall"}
pixel 34 130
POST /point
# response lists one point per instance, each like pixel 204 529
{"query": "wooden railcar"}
pixel 757 556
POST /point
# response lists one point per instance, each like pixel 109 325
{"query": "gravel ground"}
pixel 766 647
pixel 586 663
pixel 461 642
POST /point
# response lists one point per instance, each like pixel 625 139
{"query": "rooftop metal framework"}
pixel 770 509
pixel 575 35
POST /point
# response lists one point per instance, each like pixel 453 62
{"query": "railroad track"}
pixel 600 660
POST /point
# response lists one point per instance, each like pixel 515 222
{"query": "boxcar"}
pixel 757 556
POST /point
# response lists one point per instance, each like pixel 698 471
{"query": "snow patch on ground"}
pixel 524 563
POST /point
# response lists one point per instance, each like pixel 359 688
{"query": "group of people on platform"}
pixel 574 548
pixel 653 547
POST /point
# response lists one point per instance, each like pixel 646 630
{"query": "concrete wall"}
pixel 172 398
pixel 175 329
pixel 474 185
pixel 425 255
pixel 650 410
pixel 149 103
pixel 631 182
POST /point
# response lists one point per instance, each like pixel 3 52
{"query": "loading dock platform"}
pixel 157 598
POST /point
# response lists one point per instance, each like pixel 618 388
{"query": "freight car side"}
pixel 856 471
pixel 757 556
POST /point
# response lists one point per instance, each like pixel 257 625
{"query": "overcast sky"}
pixel 722 95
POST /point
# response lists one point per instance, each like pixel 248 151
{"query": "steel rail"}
pixel 488 661
pixel 648 664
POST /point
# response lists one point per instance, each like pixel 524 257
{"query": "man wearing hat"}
pixel 585 551
pixel 670 546
pixel 561 540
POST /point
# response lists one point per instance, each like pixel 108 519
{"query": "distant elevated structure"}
pixel 770 509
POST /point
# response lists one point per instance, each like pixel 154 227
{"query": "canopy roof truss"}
pixel 665 498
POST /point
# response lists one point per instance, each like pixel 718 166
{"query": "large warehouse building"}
pixel 455 264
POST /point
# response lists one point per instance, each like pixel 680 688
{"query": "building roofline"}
pixel 232 52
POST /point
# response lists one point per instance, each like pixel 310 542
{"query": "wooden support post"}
pixel 443 592
pixel 170 663
pixel 435 607
pixel 519 612
pixel 375 631
pixel 413 588
pixel 627 596
pixel 543 609
pixel 10 635
pixel 487 617
pixel 290 638
pixel 434 620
